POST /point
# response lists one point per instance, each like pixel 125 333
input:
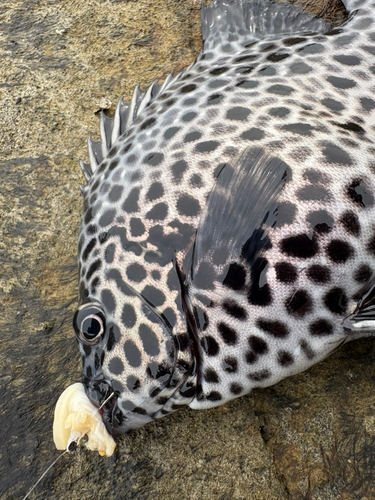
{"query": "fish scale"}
pixel 227 239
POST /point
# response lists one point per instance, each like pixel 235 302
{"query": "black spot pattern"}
pixel 280 89
pixel 227 334
pixel 147 123
pixel 90 246
pixel 111 339
pixel 235 388
pixel 211 376
pixel 321 221
pixel 115 193
pixel 339 251
pixel 135 272
pixel 286 213
pixel 236 277
pixel 140 411
pixel 128 316
pixel 275 328
pixel 251 357
pixel 214 396
pixel 192 136
pixel 133 383
pixel 137 228
pixel 112 166
pixel 158 212
pixel 321 328
pixel 363 273
pixel 188 117
pixel 370 247
pixel 285 272
pixel 196 180
pixel 154 159
pixel 313 193
pixel 336 155
pixel 299 304
pixel 306 348
pixel 206 147
pixel 280 112
pixel 351 223
pixel 131 202
pixel 156 191
pixel 336 300
pixel 155 296
pixel 284 358
pixel 107 218
pixel 108 300
pixel 132 353
pixel 235 310
pixel 93 268
pixel 116 366
pixel 188 205
pixel 188 88
pixel 257 344
pixel 276 57
pixel 230 365
pixel 341 83
pixel 214 99
pixel 178 170
pixel 238 113
pixel 299 246
pixel 155 274
pixel 253 134
pixel 319 274
pixel 210 346
pixel 170 132
pixel 149 340
pixel 260 375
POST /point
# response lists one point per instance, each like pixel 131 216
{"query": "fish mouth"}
pixel 112 416
pixel 100 391
pixel 108 409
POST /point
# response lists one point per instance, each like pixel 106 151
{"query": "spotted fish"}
pixel 228 236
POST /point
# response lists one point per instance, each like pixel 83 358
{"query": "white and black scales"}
pixel 228 234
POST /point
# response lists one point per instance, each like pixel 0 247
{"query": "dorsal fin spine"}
pixel 93 161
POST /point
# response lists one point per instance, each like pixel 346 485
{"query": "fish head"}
pixel 129 356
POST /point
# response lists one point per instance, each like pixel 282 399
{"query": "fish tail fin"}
pixel 229 25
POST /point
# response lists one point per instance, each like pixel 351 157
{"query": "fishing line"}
pixel 72 446
pixel 44 473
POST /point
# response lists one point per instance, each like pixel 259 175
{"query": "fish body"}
pixel 228 236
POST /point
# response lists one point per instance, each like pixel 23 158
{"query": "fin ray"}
pixel 232 24
pixel 112 128
pixel 362 321
pixel 242 204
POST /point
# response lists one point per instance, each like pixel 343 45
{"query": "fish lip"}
pixel 99 390
pixel 108 413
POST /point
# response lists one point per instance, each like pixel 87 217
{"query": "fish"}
pixel 227 239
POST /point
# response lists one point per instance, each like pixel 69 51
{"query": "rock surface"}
pixel 309 437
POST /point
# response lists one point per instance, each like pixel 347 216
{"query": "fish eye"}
pixel 89 323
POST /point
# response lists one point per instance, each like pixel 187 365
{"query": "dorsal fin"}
pixel 112 128
pixel 229 25
pixel 226 24
pixel 351 5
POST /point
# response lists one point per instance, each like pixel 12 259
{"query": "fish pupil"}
pixel 91 328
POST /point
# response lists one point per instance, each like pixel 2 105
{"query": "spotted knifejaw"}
pixel 228 237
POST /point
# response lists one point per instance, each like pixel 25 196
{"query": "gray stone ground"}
pixel 311 437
